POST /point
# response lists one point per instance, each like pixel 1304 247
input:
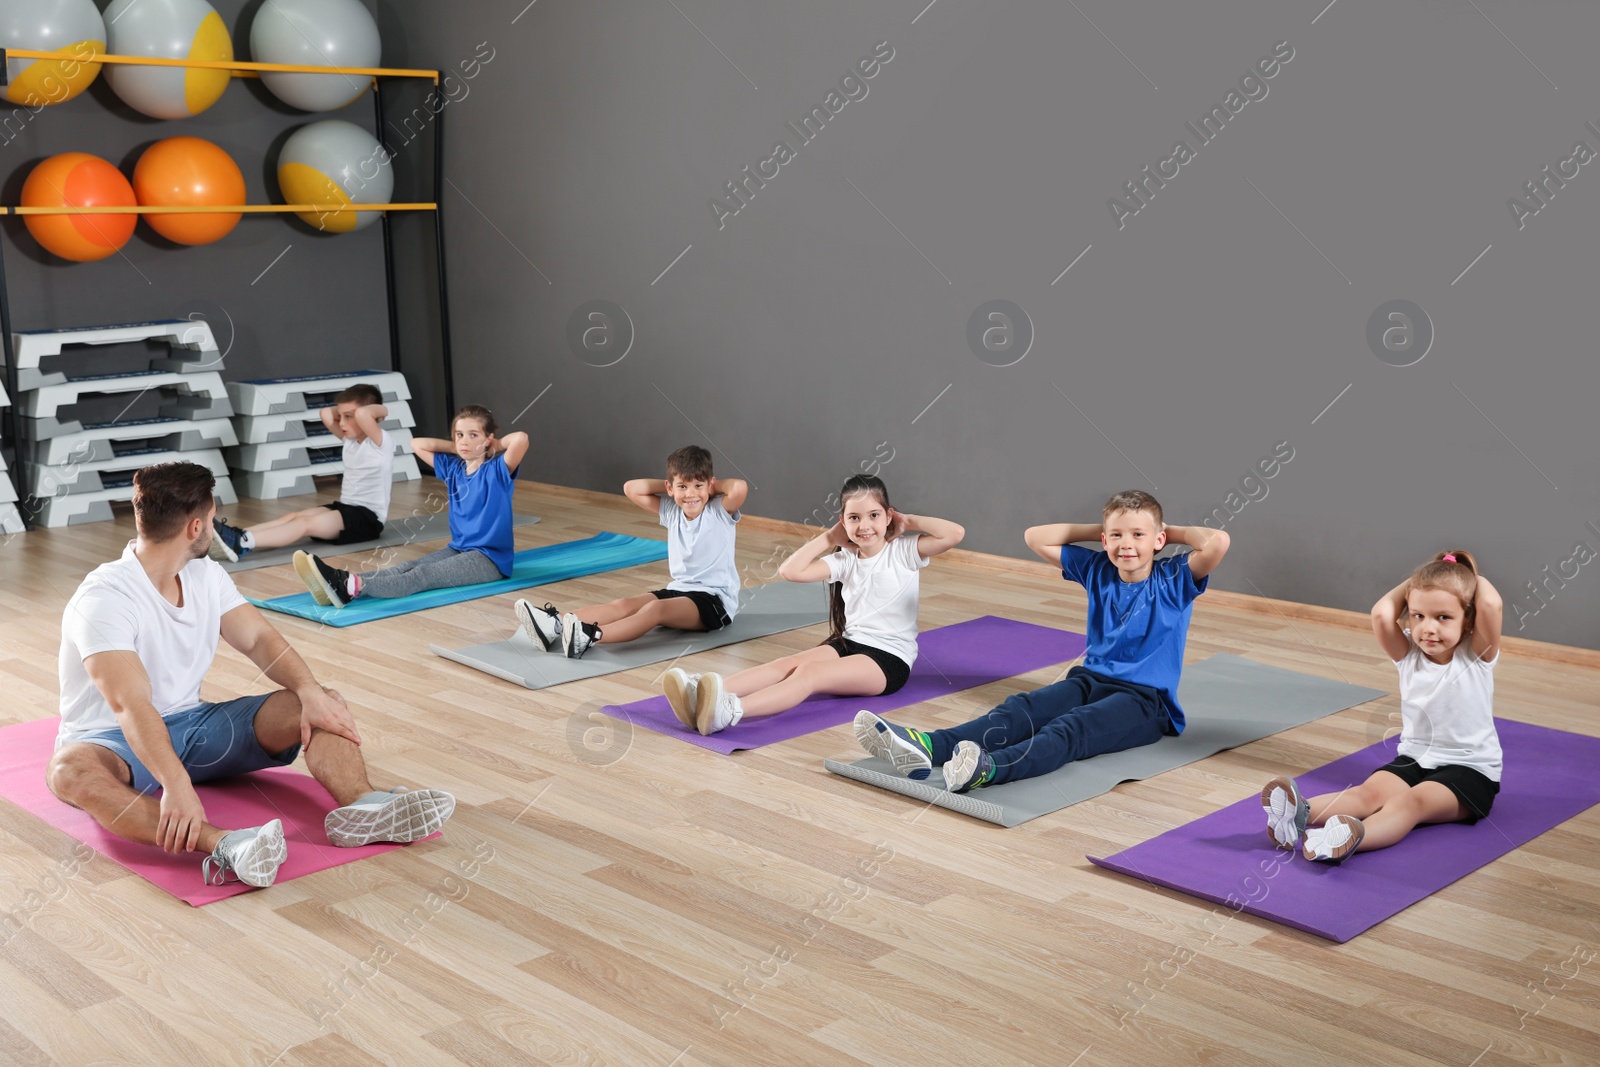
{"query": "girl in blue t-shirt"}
pixel 479 469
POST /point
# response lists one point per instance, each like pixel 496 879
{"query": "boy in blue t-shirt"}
pixel 700 513
pixel 1123 695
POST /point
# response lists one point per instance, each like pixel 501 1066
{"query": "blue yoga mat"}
pixel 530 567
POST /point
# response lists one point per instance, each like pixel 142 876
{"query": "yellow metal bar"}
pixel 238 69
pixel 242 209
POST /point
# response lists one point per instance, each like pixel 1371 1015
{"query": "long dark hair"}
pixel 859 484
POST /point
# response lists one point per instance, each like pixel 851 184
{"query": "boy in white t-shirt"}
pixel 137 639
pixel 356 417
pixel 701 513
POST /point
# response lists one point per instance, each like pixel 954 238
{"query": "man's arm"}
pixel 1209 546
pixel 646 492
pixel 247 630
pixel 1048 541
pixel 122 681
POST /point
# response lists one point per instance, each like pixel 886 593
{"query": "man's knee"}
pixel 77 770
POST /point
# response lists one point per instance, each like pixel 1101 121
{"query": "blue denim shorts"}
pixel 212 741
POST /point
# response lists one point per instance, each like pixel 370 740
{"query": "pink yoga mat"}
pixel 949 659
pixel 1226 858
pixel 247 800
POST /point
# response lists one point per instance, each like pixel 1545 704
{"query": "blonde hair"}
pixel 1132 500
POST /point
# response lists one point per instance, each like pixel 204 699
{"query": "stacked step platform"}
pixel 10 517
pixel 77 462
pixel 283 445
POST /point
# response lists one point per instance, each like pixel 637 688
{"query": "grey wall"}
pixel 320 307
pixel 812 331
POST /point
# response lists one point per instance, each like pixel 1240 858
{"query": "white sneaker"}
pixel 576 636
pixel 715 709
pixel 252 856
pixel 681 689
pixel 542 625
pixel 398 815
pixel 1334 839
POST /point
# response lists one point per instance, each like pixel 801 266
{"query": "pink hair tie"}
pixel 1450 557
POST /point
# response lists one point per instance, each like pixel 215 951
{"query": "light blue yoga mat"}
pixel 530 567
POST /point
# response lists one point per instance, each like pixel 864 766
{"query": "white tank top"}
pixel 1447 710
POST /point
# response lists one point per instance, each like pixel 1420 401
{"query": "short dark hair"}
pixel 1132 500
pixel 167 495
pixel 484 416
pixel 361 393
pixel 691 463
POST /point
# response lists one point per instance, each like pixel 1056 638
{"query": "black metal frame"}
pixel 13 425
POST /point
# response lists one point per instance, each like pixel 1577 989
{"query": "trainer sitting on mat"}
pixel 137 640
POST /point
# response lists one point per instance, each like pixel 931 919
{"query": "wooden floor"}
pixel 606 898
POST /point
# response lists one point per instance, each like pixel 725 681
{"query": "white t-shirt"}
pixel 881 595
pixel 1447 710
pixel 116 608
pixel 700 552
pixel 368 474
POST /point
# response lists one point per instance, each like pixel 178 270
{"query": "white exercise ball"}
pixel 316 33
pixel 168 29
pixel 338 163
pixel 72 26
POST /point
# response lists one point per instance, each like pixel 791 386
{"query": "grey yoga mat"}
pixel 763 610
pixel 1227 701
pixel 412 528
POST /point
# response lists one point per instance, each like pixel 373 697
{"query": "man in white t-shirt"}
pixel 137 639
pixel 367 454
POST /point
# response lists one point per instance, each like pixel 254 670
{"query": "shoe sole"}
pixel 257 864
pixel 708 693
pixel 1283 813
pixel 527 618
pixel 961 768
pixel 411 816
pixel 220 551
pixel 676 686
pixel 874 735
pixel 1349 845
pixel 307 570
pixel 569 637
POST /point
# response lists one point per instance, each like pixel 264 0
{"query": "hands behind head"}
pixel 838 537
pixel 897 525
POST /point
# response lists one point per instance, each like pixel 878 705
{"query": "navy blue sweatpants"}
pixel 1085 714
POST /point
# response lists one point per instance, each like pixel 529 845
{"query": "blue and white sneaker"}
pixel 910 751
pixel 969 767
pixel 227 542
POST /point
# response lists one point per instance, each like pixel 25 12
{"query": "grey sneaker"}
pixel 1287 812
pixel 398 815
pixel 252 856
pixel 682 688
pixel 909 750
pixel 540 624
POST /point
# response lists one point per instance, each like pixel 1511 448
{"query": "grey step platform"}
pixel 300 481
pixel 286 455
pixel 11 519
pixel 298 425
pixel 272 396
pixel 178 435
pixel 91 475
pixel 46 400
pixel 80 508
pixel 192 345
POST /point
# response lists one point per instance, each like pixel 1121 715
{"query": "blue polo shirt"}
pixel 1137 630
pixel 480 506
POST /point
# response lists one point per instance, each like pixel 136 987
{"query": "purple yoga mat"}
pixel 1225 857
pixel 949 659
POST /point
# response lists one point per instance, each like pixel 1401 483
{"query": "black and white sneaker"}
pixel 577 635
pixel 540 624
pixel 329 586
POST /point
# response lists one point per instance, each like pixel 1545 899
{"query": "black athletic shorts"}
pixel 360 524
pixel 713 616
pixel 1473 788
pixel 895 670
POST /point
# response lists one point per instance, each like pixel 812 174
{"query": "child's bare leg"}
pixel 850 676
pixel 603 615
pixel 680 613
pixel 1361 801
pixel 755 679
pixel 297 526
pixel 1426 803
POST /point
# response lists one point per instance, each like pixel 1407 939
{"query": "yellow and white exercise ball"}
pixel 168 29
pixel 336 163
pixel 72 26
pixel 315 33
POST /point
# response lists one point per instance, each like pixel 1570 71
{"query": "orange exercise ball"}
pixel 77 179
pixel 189 172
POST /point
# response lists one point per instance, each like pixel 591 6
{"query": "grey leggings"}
pixel 437 570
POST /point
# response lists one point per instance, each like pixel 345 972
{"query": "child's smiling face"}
pixel 689 493
pixel 1131 540
pixel 1437 622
